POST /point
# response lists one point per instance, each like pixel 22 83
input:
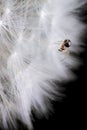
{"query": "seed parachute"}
pixel 30 60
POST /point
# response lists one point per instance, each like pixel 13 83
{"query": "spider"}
pixel 66 44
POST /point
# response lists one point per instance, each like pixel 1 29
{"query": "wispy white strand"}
pixel 29 56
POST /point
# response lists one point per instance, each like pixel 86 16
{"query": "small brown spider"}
pixel 66 44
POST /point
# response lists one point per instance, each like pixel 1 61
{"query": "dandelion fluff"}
pixel 30 31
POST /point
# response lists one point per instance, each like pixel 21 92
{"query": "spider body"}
pixel 65 45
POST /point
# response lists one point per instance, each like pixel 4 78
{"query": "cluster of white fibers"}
pixel 29 58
